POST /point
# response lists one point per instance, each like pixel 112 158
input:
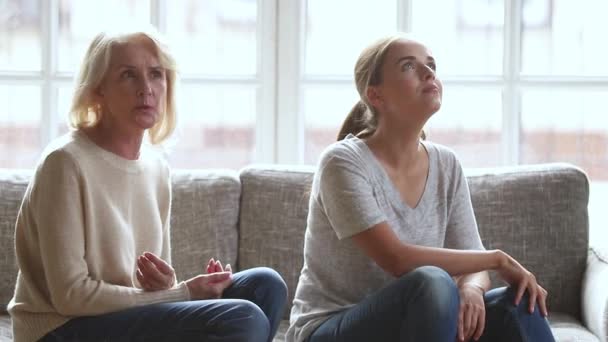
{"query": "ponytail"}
pixel 358 122
pixel 361 123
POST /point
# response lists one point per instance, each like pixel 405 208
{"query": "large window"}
pixel 522 82
pixel 271 80
pixel 215 43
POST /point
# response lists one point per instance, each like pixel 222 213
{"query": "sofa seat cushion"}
pixel 567 329
pixel 6 332
pixel 280 336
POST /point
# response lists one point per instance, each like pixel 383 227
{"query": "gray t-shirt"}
pixel 351 192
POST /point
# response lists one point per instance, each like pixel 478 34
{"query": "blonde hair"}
pixel 86 112
pixel 362 120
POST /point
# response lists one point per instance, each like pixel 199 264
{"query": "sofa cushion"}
pixel 566 328
pixel 6 331
pixel 274 206
pixel 537 214
pixel 203 221
pixel 13 184
pixel 280 335
pixel 204 217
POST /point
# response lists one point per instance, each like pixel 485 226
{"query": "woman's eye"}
pixel 408 66
pixel 158 74
pixel 433 66
pixel 127 74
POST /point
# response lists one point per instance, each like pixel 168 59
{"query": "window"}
pixel 215 42
pixel 271 80
pixel 330 51
pixel 522 82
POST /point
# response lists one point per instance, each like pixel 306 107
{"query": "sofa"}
pixel 257 217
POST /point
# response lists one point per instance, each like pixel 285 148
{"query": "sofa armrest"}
pixel 595 294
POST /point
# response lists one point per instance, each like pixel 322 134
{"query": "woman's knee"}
pixel 245 319
pixel 506 298
pixel 270 280
pixel 432 279
pixel 502 313
pixel 436 289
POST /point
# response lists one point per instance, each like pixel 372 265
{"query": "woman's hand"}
pixel 522 279
pixel 212 284
pixel 472 315
pixel 214 266
pixel 153 273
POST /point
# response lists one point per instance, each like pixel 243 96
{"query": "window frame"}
pixel 511 81
pixel 279 124
pixel 50 80
pixel 279 78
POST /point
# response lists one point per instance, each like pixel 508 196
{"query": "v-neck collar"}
pixel 394 192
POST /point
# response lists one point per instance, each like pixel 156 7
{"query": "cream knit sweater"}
pixel 86 216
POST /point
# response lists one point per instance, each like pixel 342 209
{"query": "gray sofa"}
pixel 257 217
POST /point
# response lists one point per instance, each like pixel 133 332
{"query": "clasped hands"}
pixel 154 274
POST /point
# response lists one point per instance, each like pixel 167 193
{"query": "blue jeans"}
pixel 250 310
pixel 423 305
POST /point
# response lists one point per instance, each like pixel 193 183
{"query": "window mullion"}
pixel 158 14
pixel 404 15
pixel 512 90
pixel 290 56
pixel 266 92
pixel 48 120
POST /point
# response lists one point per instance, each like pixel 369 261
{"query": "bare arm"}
pixel 397 258
pixel 479 279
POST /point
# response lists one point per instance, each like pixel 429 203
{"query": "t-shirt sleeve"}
pixel 347 197
pixel 461 231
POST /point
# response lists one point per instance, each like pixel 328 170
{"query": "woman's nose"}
pixel 428 73
pixel 144 88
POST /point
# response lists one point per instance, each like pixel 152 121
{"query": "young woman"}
pixel 92 235
pixel 392 251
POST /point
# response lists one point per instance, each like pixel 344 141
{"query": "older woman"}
pixel 92 235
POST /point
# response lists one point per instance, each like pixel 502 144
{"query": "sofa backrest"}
pixel 274 205
pixel 537 213
pixel 13 184
pixel 204 219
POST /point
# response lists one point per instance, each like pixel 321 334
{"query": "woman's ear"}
pixel 374 96
pixel 97 94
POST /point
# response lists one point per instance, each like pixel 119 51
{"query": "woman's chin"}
pixel 146 121
pixel 434 107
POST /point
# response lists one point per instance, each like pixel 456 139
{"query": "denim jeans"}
pixel 250 310
pixel 423 305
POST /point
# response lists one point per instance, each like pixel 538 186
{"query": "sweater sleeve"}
pixel 57 200
pixel 166 218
